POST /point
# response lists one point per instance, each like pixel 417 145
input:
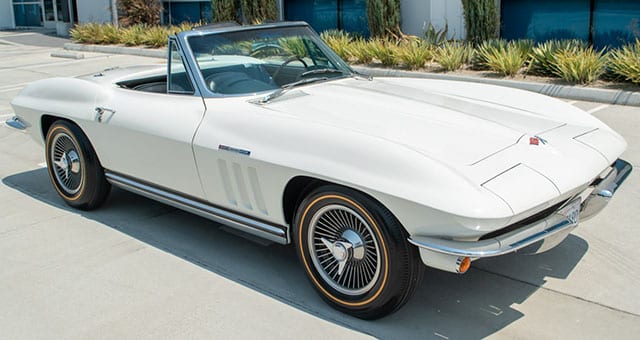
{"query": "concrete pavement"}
pixel 139 269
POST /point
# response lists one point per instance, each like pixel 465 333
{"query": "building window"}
pixel 322 15
pixel 176 12
pixel 27 13
pixel 49 14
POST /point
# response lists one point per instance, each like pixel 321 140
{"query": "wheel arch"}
pixel 300 187
pixel 47 120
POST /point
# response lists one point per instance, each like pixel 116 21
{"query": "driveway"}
pixel 139 269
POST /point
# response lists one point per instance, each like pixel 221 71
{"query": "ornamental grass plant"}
pixel 579 65
pixel 101 34
pixel 135 35
pixel 505 58
pixel 359 52
pixel 543 55
pixel 413 53
pixel 625 62
pixel 339 41
pixel 156 36
pixel 384 51
pixel 571 60
pixel 453 55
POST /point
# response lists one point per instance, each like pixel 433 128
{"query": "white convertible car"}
pixel 264 129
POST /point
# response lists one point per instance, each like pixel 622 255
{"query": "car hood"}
pixel 482 133
pixel 446 125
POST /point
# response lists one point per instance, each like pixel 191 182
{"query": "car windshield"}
pixel 253 61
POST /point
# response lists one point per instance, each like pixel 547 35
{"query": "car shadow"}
pixel 447 305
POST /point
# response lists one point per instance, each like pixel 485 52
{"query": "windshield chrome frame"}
pixel 181 38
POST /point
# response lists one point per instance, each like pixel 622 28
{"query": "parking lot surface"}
pixel 139 269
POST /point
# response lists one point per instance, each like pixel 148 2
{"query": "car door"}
pixel 147 136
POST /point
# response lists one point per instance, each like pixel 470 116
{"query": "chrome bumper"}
pixel 16 123
pixel 549 231
pixel 603 192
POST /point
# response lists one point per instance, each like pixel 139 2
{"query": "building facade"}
pixel 57 14
pixel 601 22
pixel 349 15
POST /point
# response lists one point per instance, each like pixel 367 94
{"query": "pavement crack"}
pixel 557 292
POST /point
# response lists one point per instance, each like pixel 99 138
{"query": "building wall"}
pixel 416 16
pixel 6 14
pixel 98 11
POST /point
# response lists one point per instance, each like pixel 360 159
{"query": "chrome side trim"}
pixel 279 234
pixel 16 123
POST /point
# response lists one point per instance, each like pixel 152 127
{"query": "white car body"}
pixel 452 161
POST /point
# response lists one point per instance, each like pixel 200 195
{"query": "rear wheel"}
pixel 74 168
pixel 355 252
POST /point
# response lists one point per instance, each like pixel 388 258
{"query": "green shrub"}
pixel 480 20
pixel 502 57
pixel 224 10
pixel 383 50
pixel 259 11
pixel 414 53
pixel 359 52
pixel 136 12
pixel 580 65
pixel 543 55
pixel 339 42
pixel 432 36
pixel 452 56
pixel 625 62
pixel 383 17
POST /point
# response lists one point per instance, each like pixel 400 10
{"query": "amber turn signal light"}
pixel 463 264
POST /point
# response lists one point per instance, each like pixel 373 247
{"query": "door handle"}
pixel 101 110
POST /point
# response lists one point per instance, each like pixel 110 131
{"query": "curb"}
pixel 136 51
pixel 606 96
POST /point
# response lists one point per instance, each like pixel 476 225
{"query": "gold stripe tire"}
pixel 355 252
pixel 74 168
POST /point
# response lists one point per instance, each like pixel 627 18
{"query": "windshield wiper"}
pixel 282 90
pixel 321 71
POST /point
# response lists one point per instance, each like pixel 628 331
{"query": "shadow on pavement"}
pixel 34 37
pixel 447 305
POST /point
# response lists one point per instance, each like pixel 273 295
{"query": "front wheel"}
pixel 355 252
pixel 74 168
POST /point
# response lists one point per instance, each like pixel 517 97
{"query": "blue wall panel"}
pixel 615 22
pixel 322 15
pixel 541 20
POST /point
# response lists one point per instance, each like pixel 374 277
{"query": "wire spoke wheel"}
pixel 355 252
pixel 343 250
pixel 67 166
pixel 73 166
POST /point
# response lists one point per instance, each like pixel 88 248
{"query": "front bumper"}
pixel 546 233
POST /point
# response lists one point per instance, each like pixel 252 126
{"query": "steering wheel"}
pixel 259 49
pixel 287 62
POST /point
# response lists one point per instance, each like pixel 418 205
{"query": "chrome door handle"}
pixel 101 110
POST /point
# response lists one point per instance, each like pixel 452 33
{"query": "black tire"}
pixel 367 287
pixel 74 168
